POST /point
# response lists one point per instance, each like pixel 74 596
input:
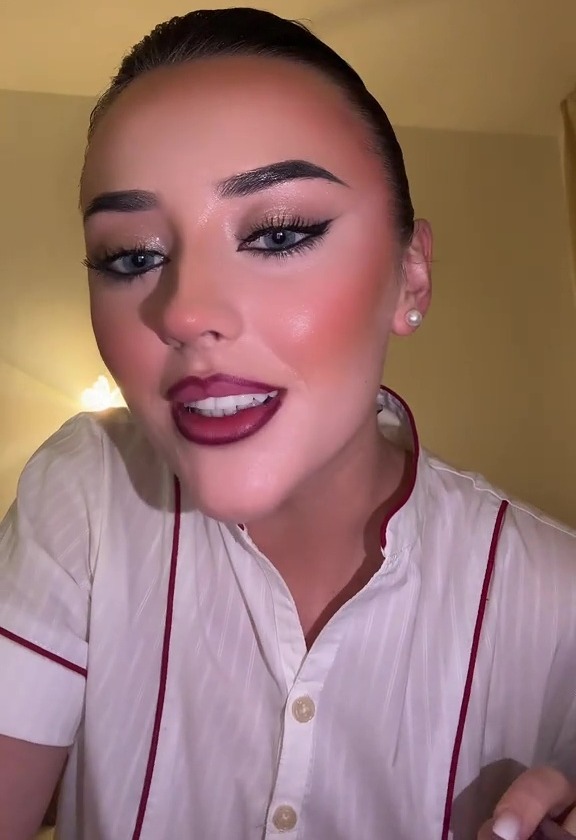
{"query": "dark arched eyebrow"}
pixel 256 180
pixel 236 186
pixel 123 201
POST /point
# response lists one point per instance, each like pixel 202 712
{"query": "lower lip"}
pixel 231 428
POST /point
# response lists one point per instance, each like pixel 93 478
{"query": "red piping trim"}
pixel 43 652
pixel 471 667
pixel 163 667
pixel 413 467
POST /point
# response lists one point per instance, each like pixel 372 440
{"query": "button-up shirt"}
pixel 166 651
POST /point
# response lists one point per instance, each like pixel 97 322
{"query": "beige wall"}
pixel 47 356
pixel 489 376
pixel 492 374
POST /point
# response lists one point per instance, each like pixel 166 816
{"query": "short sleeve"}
pixel 48 543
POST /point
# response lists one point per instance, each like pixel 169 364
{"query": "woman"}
pixel 315 629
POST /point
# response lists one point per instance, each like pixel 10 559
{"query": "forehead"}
pixel 210 118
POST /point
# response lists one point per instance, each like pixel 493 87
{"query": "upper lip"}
pixel 194 388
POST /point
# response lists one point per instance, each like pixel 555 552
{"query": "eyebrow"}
pixel 256 180
pixel 237 186
pixel 125 201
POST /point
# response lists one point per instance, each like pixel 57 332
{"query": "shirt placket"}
pixel 304 674
pixel 295 750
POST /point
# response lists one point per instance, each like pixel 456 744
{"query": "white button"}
pixel 285 818
pixel 303 709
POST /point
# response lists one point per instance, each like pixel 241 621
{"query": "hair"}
pixel 245 31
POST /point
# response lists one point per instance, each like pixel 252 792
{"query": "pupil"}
pixel 279 237
pixel 139 260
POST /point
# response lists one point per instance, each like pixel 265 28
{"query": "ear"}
pixel 416 288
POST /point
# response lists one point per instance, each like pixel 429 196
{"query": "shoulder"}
pixel 85 448
pixel 79 443
pixel 94 480
pixel 62 475
pixel 93 464
pixel 533 548
pixel 472 491
pixel 88 433
pixel 538 558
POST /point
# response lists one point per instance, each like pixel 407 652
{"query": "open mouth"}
pixel 222 409
pixel 230 405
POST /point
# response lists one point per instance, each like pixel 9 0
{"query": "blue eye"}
pixel 136 262
pixel 282 238
pixel 127 264
pixel 279 240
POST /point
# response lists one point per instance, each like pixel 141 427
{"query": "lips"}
pixel 222 409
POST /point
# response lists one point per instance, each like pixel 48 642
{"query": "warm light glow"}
pixel 101 396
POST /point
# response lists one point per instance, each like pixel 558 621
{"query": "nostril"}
pixel 211 335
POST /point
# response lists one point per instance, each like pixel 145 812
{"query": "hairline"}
pixel 331 73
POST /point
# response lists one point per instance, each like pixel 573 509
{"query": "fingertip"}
pixel 507 826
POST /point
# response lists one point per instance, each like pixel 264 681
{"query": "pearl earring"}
pixel 413 318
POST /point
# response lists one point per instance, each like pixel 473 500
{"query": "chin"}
pixel 230 511
pixel 228 504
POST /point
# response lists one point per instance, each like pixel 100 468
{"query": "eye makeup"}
pixel 127 259
pixel 126 263
pixel 280 236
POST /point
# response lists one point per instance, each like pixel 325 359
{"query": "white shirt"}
pixel 202 714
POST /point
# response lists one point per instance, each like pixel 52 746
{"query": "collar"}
pixel 400 530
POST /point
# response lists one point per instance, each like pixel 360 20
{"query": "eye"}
pixel 127 263
pixel 136 262
pixel 281 238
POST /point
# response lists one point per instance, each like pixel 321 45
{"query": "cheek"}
pixel 333 321
pixel 124 343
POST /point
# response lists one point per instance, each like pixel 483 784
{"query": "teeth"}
pixel 220 406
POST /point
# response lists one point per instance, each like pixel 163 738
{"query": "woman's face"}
pixel 251 344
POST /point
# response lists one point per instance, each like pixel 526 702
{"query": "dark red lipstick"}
pixel 214 411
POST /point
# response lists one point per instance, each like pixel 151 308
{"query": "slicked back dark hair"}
pixel 244 31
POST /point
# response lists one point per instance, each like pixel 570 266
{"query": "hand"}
pixel 535 794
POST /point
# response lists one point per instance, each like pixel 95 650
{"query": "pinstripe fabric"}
pixel 84 574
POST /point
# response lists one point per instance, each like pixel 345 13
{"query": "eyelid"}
pixel 129 242
pixel 281 221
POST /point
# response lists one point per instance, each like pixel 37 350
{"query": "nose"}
pixel 187 309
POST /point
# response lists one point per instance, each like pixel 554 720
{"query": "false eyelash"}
pixel 101 264
pixel 272 223
pixel 315 233
pixel 101 267
pixel 108 255
pixel 98 264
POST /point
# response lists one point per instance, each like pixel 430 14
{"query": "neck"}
pixel 325 541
